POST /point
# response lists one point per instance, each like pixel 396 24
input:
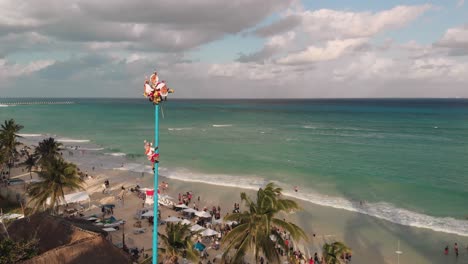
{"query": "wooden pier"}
pixel 38 103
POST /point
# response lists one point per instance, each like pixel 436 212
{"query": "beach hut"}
pixel 74 198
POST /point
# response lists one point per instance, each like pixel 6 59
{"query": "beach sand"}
pixel 372 240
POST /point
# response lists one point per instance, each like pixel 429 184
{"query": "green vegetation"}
pixel 47 150
pixel 177 243
pixel 332 252
pixel 30 163
pixel 14 252
pixel 258 228
pixel 57 175
pixel 9 143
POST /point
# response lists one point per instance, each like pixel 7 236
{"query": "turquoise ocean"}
pixel 405 159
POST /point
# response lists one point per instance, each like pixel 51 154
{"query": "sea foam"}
pixel 30 135
pixel 115 154
pixel 380 210
pixel 71 140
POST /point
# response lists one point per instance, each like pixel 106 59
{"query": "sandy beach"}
pixel 372 240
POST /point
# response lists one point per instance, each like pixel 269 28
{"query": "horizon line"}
pixel 222 98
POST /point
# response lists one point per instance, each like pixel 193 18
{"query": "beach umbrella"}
pixel 181 206
pixel 203 214
pixel 196 228
pixel 165 196
pixel 149 213
pixel 172 219
pixel 199 246
pixel 209 232
pixel 230 223
pixel 186 222
pixel 189 210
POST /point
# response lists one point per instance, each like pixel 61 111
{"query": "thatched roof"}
pixel 66 240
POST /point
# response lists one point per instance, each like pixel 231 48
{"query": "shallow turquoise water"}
pixel 410 154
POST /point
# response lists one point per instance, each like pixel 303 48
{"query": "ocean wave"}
pixel 380 210
pixel 226 125
pixel 135 167
pixel 29 135
pixel 71 140
pixel 91 149
pixel 178 128
pixel 2 105
pixel 387 212
pixel 115 154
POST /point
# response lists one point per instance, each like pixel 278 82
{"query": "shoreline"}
pixel 373 240
pixel 381 210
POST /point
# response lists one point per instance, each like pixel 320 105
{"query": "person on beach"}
pixel 456 249
pixel 446 250
pixel 296 188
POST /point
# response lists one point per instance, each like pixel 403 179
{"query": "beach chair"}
pixel 114 224
pixel 138 231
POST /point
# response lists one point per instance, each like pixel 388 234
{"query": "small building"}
pixel 66 240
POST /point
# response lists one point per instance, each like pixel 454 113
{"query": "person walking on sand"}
pixel 446 250
pixel 456 249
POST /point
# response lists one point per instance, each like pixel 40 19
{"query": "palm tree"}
pixel 9 142
pixel 30 163
pixel 258 226
pixel 333 252
pixel 57 175
pixel 177 243
pixel 47 150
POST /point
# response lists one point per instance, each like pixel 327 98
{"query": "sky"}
pixel 235 49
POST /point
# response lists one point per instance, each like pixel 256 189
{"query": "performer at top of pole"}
pixel 156 91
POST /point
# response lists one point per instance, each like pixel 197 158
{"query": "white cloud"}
pixel 333 50
pixel 158 25
pixel 455 38
pixel 9 70
pixel 273 45
pixel 105 48
pixel 332 24
pixel 367 67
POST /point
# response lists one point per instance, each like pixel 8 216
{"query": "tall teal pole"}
pixel 155 204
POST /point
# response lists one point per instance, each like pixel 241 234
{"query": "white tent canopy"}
pixel 186 222
pixel 149 213
pixel 209 232
pixel 203 214
pixel 73 198
pixel 190 210
pixel 196 228
pixel 181 206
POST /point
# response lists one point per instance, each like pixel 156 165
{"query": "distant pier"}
pixel 38 103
